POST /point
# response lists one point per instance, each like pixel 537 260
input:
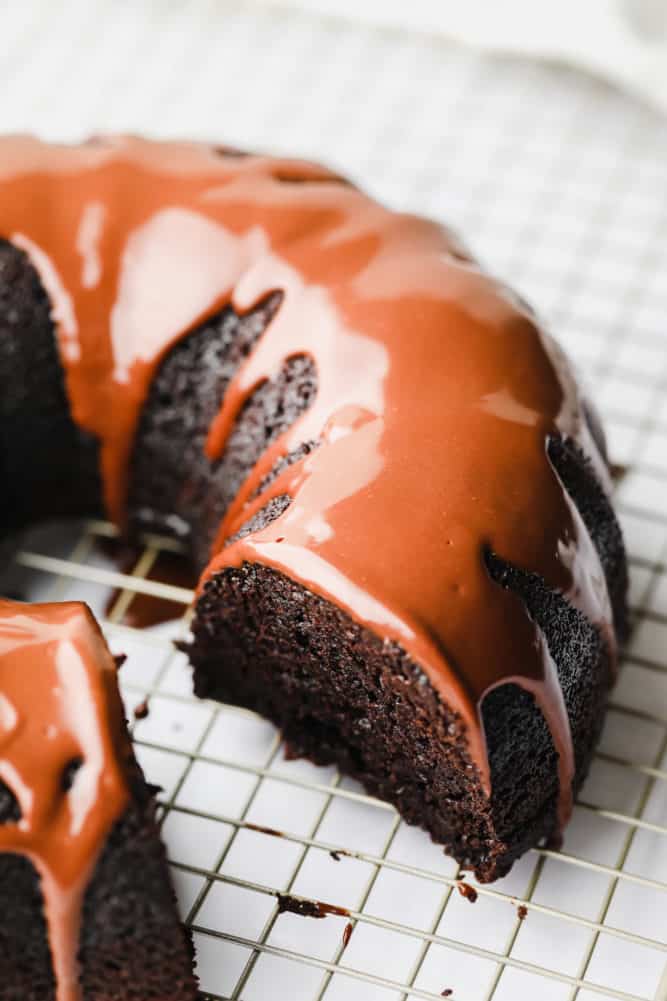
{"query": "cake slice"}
pixel 87 910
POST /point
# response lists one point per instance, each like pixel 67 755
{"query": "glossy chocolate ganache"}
pixel 437 394
pixel 63 757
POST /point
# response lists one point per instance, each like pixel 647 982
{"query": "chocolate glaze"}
pixel 467 891
pixel 62 755
pixel 437 393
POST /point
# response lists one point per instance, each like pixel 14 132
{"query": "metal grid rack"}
pixel 560 185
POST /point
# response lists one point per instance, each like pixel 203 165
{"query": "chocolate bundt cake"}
pixel 396 494
pixel 86 906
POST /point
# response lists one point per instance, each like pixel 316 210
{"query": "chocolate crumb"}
pixel 447 993
pixel 521 912
pixel 308 908
pixel 347 933
pixel 141 711
pixel 467 891
pixel 338 853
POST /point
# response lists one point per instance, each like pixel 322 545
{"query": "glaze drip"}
pixel 434 387
pixel 61 757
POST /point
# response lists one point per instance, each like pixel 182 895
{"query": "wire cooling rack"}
pixel 560 186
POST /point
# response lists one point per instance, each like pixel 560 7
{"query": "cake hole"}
pixel 69 773
pixel 10 811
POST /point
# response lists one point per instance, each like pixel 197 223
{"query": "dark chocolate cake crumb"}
pixel 141 710
pixel 521 912
pixel 347 934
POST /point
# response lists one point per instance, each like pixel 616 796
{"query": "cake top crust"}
pixel 63 756
pixel 437 392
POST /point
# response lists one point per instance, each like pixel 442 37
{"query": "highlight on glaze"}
pixel 434 386
pixel 61 756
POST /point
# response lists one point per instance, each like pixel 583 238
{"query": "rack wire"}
pixel 560 185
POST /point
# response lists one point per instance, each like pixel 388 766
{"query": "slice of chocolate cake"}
pixel 87 911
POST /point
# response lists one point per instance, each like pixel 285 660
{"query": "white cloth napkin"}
pixel 624 41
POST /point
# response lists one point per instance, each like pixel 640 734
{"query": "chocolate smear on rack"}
pixel 264 830
pixel 308 908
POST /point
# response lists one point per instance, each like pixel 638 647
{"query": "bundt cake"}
pixel 394 490
pixel 86 906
